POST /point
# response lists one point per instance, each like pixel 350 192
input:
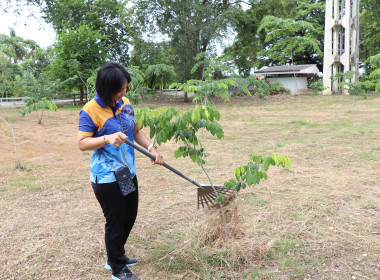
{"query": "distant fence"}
pixel 169 91
pixel 15 102
pixel 76 98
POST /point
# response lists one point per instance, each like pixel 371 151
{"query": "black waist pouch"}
pixel 123 177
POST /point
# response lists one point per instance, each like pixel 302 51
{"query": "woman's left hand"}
pixel 159 159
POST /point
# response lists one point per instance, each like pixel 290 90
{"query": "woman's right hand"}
pixel 116 139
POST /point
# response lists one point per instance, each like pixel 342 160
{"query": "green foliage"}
pixel 108 17
pixel 159 75
pixel 150 53
pixel 356 88
pixel 211 65
pixel 204 90
pixel 317 87
pixel 39 92
pixel 353 88
pixel 34 104
pixel 348 75
pixel 208 87
pixel 369 30
pixel 8 73
pixel 286 39
pixel 372 80
pixel 262 88
pixel 191 26
pixel 167 123
pixel 247 44
pixel 143 83
pixel 251 173
pixel 77 55
pixel 15 47
pixel 39 62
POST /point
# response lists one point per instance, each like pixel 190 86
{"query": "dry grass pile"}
pixel 215 232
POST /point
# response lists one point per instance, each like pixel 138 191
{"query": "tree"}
pixel 191 26
pixel 15 47
pixel 8 73
pixel 312 11
pixel 372 79
pixel 108 17
pixel 369 30
pixel 243 51
pixel 39 62
pixel 147 53
pixel 303 19
pixel 77 55
pixel 286 40
pixel 159 75
pixel 39 92
pixel 208 87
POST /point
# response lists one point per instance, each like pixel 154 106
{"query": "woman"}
pixel 105 123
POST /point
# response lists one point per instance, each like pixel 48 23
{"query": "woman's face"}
pixel 119 95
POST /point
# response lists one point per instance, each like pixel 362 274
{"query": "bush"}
pixel 317 87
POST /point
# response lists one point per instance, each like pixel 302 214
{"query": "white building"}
pixel 341 46
pixel 293 77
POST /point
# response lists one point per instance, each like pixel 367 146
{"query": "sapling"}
pixel 167 123
pixel 255 170
pixel 39 92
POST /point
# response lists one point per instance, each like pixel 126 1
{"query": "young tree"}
pixel 39 92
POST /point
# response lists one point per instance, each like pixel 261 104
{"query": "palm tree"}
pixel 15 47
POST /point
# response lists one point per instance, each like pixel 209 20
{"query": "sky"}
pixel 33 28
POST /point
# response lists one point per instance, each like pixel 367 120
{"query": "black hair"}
pixel 110 80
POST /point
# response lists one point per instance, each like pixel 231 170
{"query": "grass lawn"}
pixel 319 219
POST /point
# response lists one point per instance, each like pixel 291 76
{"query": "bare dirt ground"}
pixel 319 219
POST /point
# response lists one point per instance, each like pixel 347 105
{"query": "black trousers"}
pixel 120 213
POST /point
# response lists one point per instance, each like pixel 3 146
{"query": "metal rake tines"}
pixel 207 194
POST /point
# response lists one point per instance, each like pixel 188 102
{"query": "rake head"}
pixel 207 194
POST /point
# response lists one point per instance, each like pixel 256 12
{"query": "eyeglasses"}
pixel 127 88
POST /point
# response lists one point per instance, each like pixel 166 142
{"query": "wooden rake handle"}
pixel 152 157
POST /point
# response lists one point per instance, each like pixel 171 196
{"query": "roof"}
pixel 290 69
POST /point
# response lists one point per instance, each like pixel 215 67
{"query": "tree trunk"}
pixel 186 97
pixel 81 94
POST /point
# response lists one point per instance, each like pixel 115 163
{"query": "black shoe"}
pixel 124 274
pixel 130 262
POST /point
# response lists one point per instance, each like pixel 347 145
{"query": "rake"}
pixel 206 194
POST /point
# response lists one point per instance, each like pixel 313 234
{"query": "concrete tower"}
pixel 341 50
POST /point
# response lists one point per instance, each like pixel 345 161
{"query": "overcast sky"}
pixel 33 28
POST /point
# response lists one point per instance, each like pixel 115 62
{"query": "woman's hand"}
pixel 159 159
pixel 116 139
